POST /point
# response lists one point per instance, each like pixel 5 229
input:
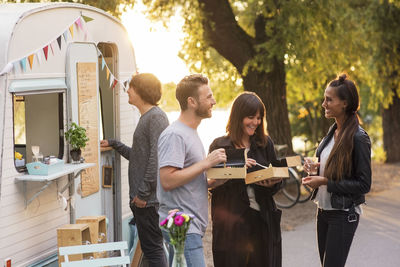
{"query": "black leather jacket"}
pixel 350 190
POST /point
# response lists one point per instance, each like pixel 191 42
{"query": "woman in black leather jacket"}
pixel 344 173
pixel 245 220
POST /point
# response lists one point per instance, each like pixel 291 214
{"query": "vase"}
pixel 179 259
pixel 76 155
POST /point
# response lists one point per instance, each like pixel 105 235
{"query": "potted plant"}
pixel 76 137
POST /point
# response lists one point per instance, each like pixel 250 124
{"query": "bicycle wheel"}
pixel 305 191
pixel 289 193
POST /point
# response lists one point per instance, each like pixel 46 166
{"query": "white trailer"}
pixel 52 55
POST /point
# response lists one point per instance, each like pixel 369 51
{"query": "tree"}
pixel 384 63
pixel 250 35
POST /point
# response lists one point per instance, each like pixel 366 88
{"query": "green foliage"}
pixel 168 100
pixel 76 136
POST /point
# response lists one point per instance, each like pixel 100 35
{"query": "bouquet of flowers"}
pixel 177 224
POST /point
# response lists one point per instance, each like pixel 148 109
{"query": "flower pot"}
pixel 76 155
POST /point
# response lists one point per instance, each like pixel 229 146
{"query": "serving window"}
pixel 38 121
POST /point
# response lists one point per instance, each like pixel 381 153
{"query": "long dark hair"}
pixel 340 158
pixel 246 104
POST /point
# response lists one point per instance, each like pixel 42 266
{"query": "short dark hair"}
pixel 147 86
pixel 246 104
pixel 188 87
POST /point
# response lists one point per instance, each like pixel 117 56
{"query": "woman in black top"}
pixel 344 173
pixel 245 220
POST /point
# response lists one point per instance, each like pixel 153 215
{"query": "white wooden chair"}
pixel 92 248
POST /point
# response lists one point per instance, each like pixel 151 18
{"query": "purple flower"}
pixel 179 220
pixel 163 222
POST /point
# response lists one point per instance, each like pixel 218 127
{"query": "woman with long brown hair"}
pixel 245 220
pixel 344 173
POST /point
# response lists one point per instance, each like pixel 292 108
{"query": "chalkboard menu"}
pixel 88 119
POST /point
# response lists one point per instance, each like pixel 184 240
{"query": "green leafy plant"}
pixel 76 136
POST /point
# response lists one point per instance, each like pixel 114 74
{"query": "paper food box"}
pixel 273 172
pixel 233 168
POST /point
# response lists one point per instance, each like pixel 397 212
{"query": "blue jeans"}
pixel 194 253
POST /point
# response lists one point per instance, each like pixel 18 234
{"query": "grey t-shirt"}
pixel 180 146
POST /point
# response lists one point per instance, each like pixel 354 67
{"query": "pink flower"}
pixel 163 222
pixel 179 220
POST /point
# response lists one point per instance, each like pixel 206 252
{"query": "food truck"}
pixel 61 63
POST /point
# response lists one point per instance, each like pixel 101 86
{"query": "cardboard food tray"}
pixel 234 168
pixel 273 172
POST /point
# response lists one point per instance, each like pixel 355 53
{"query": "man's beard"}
pixel 203 112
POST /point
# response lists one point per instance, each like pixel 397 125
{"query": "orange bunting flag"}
pixel 30 59
pixel 108 73
pixel 71 30
pixel 45 51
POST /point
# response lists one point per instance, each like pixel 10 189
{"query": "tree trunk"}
pixel 391 130
pixel 271 87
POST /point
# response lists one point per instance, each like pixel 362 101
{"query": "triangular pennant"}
pixel 51 47
pixel 71 30
pixel 65 34
pixel 7 69
pixel 23 64
pixel 86 19
pixel 16 67
pixel 111 79
pixel 45 50
pixel 114 84
pixel 59 41
pixel 30 58
pixel 78 22
pixel 39 58
pixel 108 73
pixel 103 63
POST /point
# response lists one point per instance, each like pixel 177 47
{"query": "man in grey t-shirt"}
pixel 182 182
pixel 144 92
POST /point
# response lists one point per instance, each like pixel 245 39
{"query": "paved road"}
pixel 376 243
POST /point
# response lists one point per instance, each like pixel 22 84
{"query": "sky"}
pixel 156 48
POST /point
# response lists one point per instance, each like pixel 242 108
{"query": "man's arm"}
pixel 172 177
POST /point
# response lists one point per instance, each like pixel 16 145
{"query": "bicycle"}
pixel 292 191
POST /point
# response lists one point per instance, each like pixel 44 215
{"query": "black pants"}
pixel 150 235
pixel 335 234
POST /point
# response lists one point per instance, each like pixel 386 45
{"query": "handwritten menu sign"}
pixel 88 119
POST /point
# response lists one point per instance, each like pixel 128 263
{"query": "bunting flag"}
pixel 51 47
pixel 7 69
pixel 30 58
pixel 78 22
pixel 86 19
pixel 16 65
pixel 111 80
pixel 19 65
pixel 39 58
pixel 45 50
pixel 71 30
pixel 114 84
pixel 59 41
pixel 23 64
pixel 65 34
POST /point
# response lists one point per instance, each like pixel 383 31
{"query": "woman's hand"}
pixel 314 181
pixel 269 182
pixel 250 163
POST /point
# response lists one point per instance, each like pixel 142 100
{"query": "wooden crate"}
pixel 98 230
pixel 73 235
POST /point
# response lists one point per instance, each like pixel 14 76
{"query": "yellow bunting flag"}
pixel 108 73
pixel 30 59
pixel 71 30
